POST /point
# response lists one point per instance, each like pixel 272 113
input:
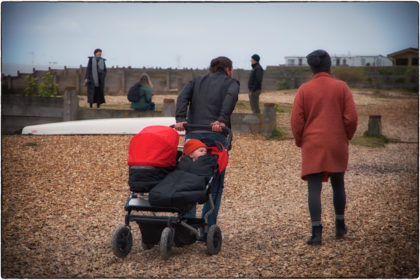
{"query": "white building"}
pixel 357 60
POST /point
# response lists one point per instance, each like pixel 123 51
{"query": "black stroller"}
pixel 153 154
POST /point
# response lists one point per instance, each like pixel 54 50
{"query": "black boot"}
pixel 90 105
pixel 316 238
pixel 340 228
pixel 98 105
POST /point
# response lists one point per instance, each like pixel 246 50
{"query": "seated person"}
pixel 186 185
pixel 145 101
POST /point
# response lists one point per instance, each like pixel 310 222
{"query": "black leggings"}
pixel 314 196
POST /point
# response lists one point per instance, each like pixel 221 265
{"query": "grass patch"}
pixel 282 108
pixel 31 144
pixel 278 109
pixel 242 105
pixel 276 135
pixel 372 141
pixel 377 93
pixel 409 93
pixel 349 74
pixel 282 84
pixel 389 94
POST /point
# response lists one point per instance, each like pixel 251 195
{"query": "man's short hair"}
pixel 220 63
pixel 97 50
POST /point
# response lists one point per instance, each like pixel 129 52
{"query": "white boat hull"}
pixel 98 126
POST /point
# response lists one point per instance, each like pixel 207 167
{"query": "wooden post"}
pixel 169 107
pixel 374 126
pixel 78 82
pixel 70 104
pixel 269 119
pixel 168 80
pixel 123 81
pixel 9 82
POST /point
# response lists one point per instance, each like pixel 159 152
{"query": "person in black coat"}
pixel 209 100
pixel 255 84
pixel 95 78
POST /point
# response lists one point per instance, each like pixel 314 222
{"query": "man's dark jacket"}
pixel 256 77
pixel 208 98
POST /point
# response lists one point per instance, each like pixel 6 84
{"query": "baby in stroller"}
pixel 194 149
pixel 184 187
pixel 159 182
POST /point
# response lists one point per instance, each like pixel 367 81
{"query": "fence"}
pixel 119 80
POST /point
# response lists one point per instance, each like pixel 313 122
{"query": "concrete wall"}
pixel 20 111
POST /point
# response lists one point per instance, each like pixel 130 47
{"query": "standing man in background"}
pixel 255 84
pixel 95 79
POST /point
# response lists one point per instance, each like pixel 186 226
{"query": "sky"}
pixel 190 34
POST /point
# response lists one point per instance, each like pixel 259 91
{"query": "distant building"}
pixel 406 57
pixel 344 60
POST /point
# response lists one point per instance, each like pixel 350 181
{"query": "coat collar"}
pixel 95 56
pixel 321 74
pixel 221 71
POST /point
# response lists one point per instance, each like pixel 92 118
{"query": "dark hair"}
pixel 220 63
pixel 97 50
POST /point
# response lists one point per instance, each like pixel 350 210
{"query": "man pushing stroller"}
pixel 209 100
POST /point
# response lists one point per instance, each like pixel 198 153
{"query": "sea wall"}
pixel 19 111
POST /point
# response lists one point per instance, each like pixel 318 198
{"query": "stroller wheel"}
pixel 166 241
pixel 121 242
pixel 214 240
pixel 146 246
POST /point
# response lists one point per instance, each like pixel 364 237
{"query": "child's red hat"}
pixel 192 145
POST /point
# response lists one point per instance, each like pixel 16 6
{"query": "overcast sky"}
pixel 190 34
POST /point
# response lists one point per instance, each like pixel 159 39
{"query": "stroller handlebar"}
pixel 226 130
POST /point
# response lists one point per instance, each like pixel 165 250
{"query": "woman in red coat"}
pixel 324 119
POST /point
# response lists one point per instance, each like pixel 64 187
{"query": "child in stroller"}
pixel 160 183
pixel 194 149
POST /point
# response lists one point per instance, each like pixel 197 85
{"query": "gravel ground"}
pixel 63 196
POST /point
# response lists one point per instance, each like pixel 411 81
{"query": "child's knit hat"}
pixel 192 145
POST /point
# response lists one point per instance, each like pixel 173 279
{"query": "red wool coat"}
pixel 324 119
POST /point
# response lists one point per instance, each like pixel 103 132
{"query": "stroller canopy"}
pixel 154 146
